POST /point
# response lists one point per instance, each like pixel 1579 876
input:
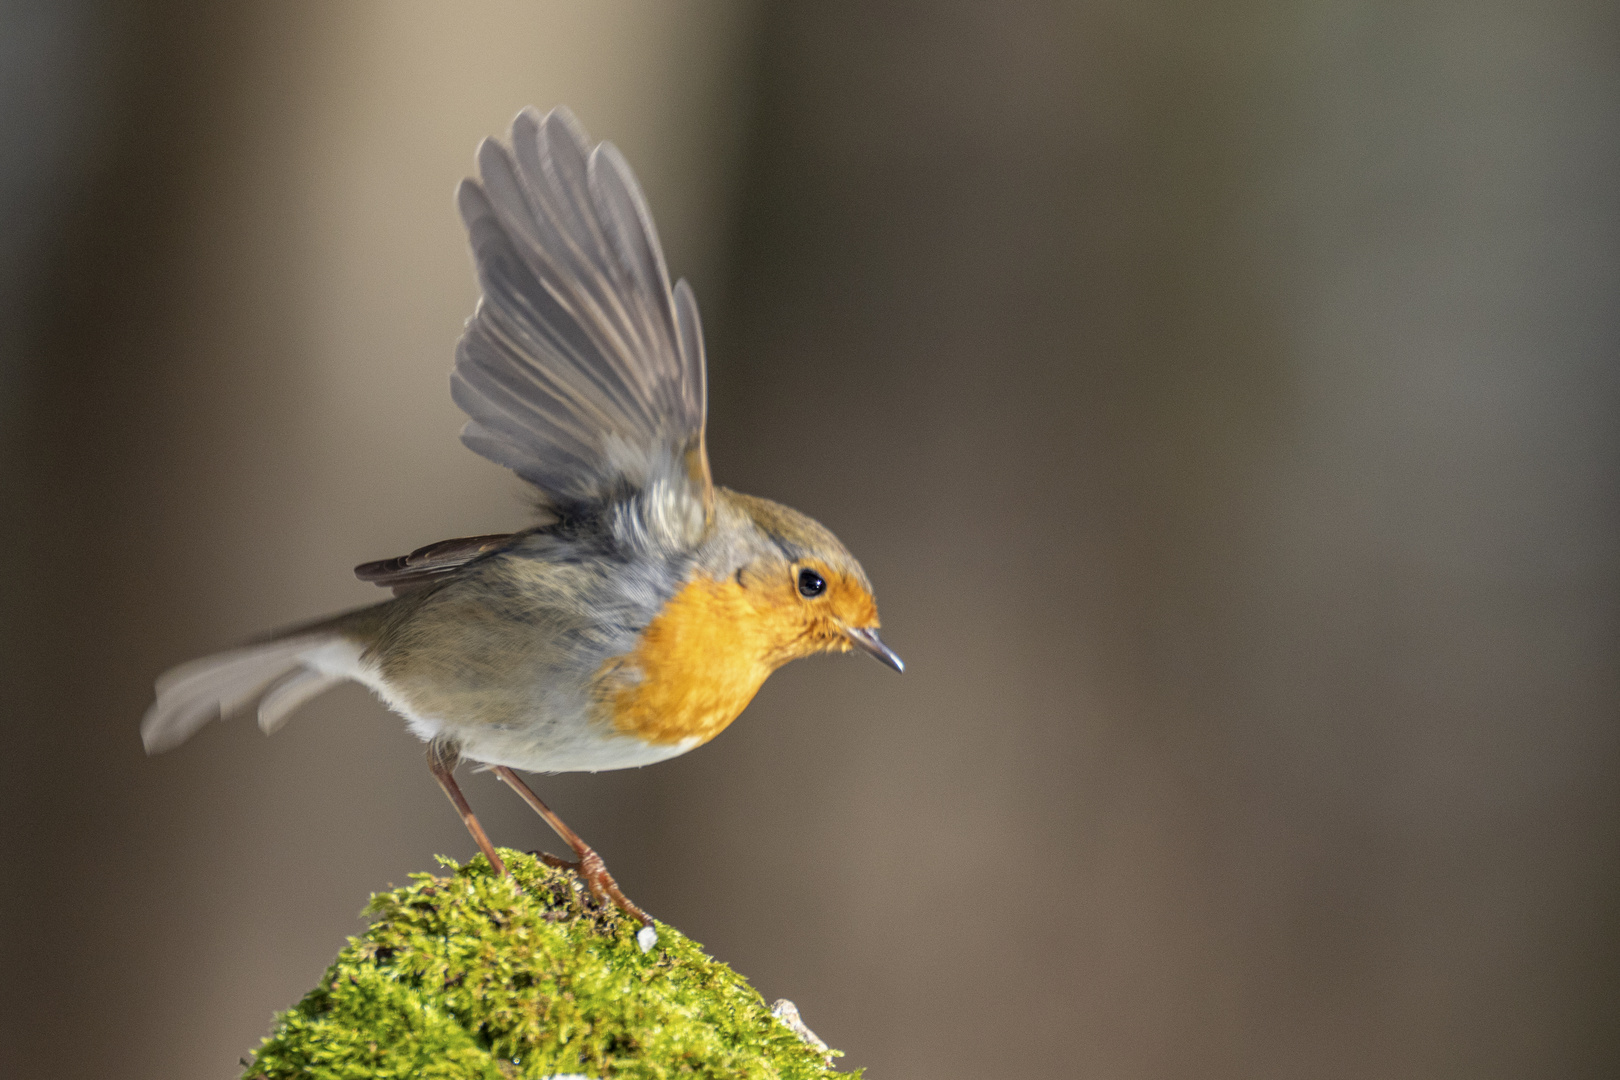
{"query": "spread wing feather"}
pixel 581 370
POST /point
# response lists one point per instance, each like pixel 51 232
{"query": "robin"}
pixel 638 617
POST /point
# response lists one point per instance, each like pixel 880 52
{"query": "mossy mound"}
pixel 472 975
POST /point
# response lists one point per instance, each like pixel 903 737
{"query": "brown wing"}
pixel 429 565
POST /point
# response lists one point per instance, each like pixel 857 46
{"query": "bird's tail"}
pixel 279 675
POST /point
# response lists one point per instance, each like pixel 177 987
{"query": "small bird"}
pixel 640 614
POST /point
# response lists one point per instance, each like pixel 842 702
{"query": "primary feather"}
pixel 582 369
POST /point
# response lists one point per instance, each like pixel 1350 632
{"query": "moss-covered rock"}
pixel 471 975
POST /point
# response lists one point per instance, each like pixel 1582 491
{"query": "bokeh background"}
pixel 1225 398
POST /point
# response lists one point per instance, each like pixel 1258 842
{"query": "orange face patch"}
pixel 847 601
pixel 705 656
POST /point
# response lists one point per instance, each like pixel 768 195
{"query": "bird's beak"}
pixel 869 643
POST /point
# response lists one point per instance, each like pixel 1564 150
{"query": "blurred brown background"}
pixel 1223 397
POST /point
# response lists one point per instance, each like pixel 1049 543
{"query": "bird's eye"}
pixel 811 583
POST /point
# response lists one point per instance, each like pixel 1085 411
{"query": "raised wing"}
pixel 582 370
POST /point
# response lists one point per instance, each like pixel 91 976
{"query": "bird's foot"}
pixel 556 862
pixel 594 873
pixel 603 888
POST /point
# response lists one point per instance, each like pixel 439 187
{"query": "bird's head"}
pixel 818 597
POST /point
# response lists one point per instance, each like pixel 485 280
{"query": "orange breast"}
pixel 700 662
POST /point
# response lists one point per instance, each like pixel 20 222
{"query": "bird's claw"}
pixel 556 862
pixel 604 889
pixel 591 870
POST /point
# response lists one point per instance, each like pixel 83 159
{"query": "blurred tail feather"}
pixel 280 675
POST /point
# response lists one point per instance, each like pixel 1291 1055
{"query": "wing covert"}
pixel 432 564
pixel 581 369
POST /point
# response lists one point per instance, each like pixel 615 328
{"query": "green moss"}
pixel 472 975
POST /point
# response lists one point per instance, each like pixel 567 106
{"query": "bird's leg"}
pixel 442 759
pixel 590 866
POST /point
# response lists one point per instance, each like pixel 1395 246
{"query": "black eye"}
pixel 811 583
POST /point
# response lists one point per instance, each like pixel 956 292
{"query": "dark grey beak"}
pixel 868 642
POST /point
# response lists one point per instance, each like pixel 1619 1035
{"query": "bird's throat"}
pixel 701 661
